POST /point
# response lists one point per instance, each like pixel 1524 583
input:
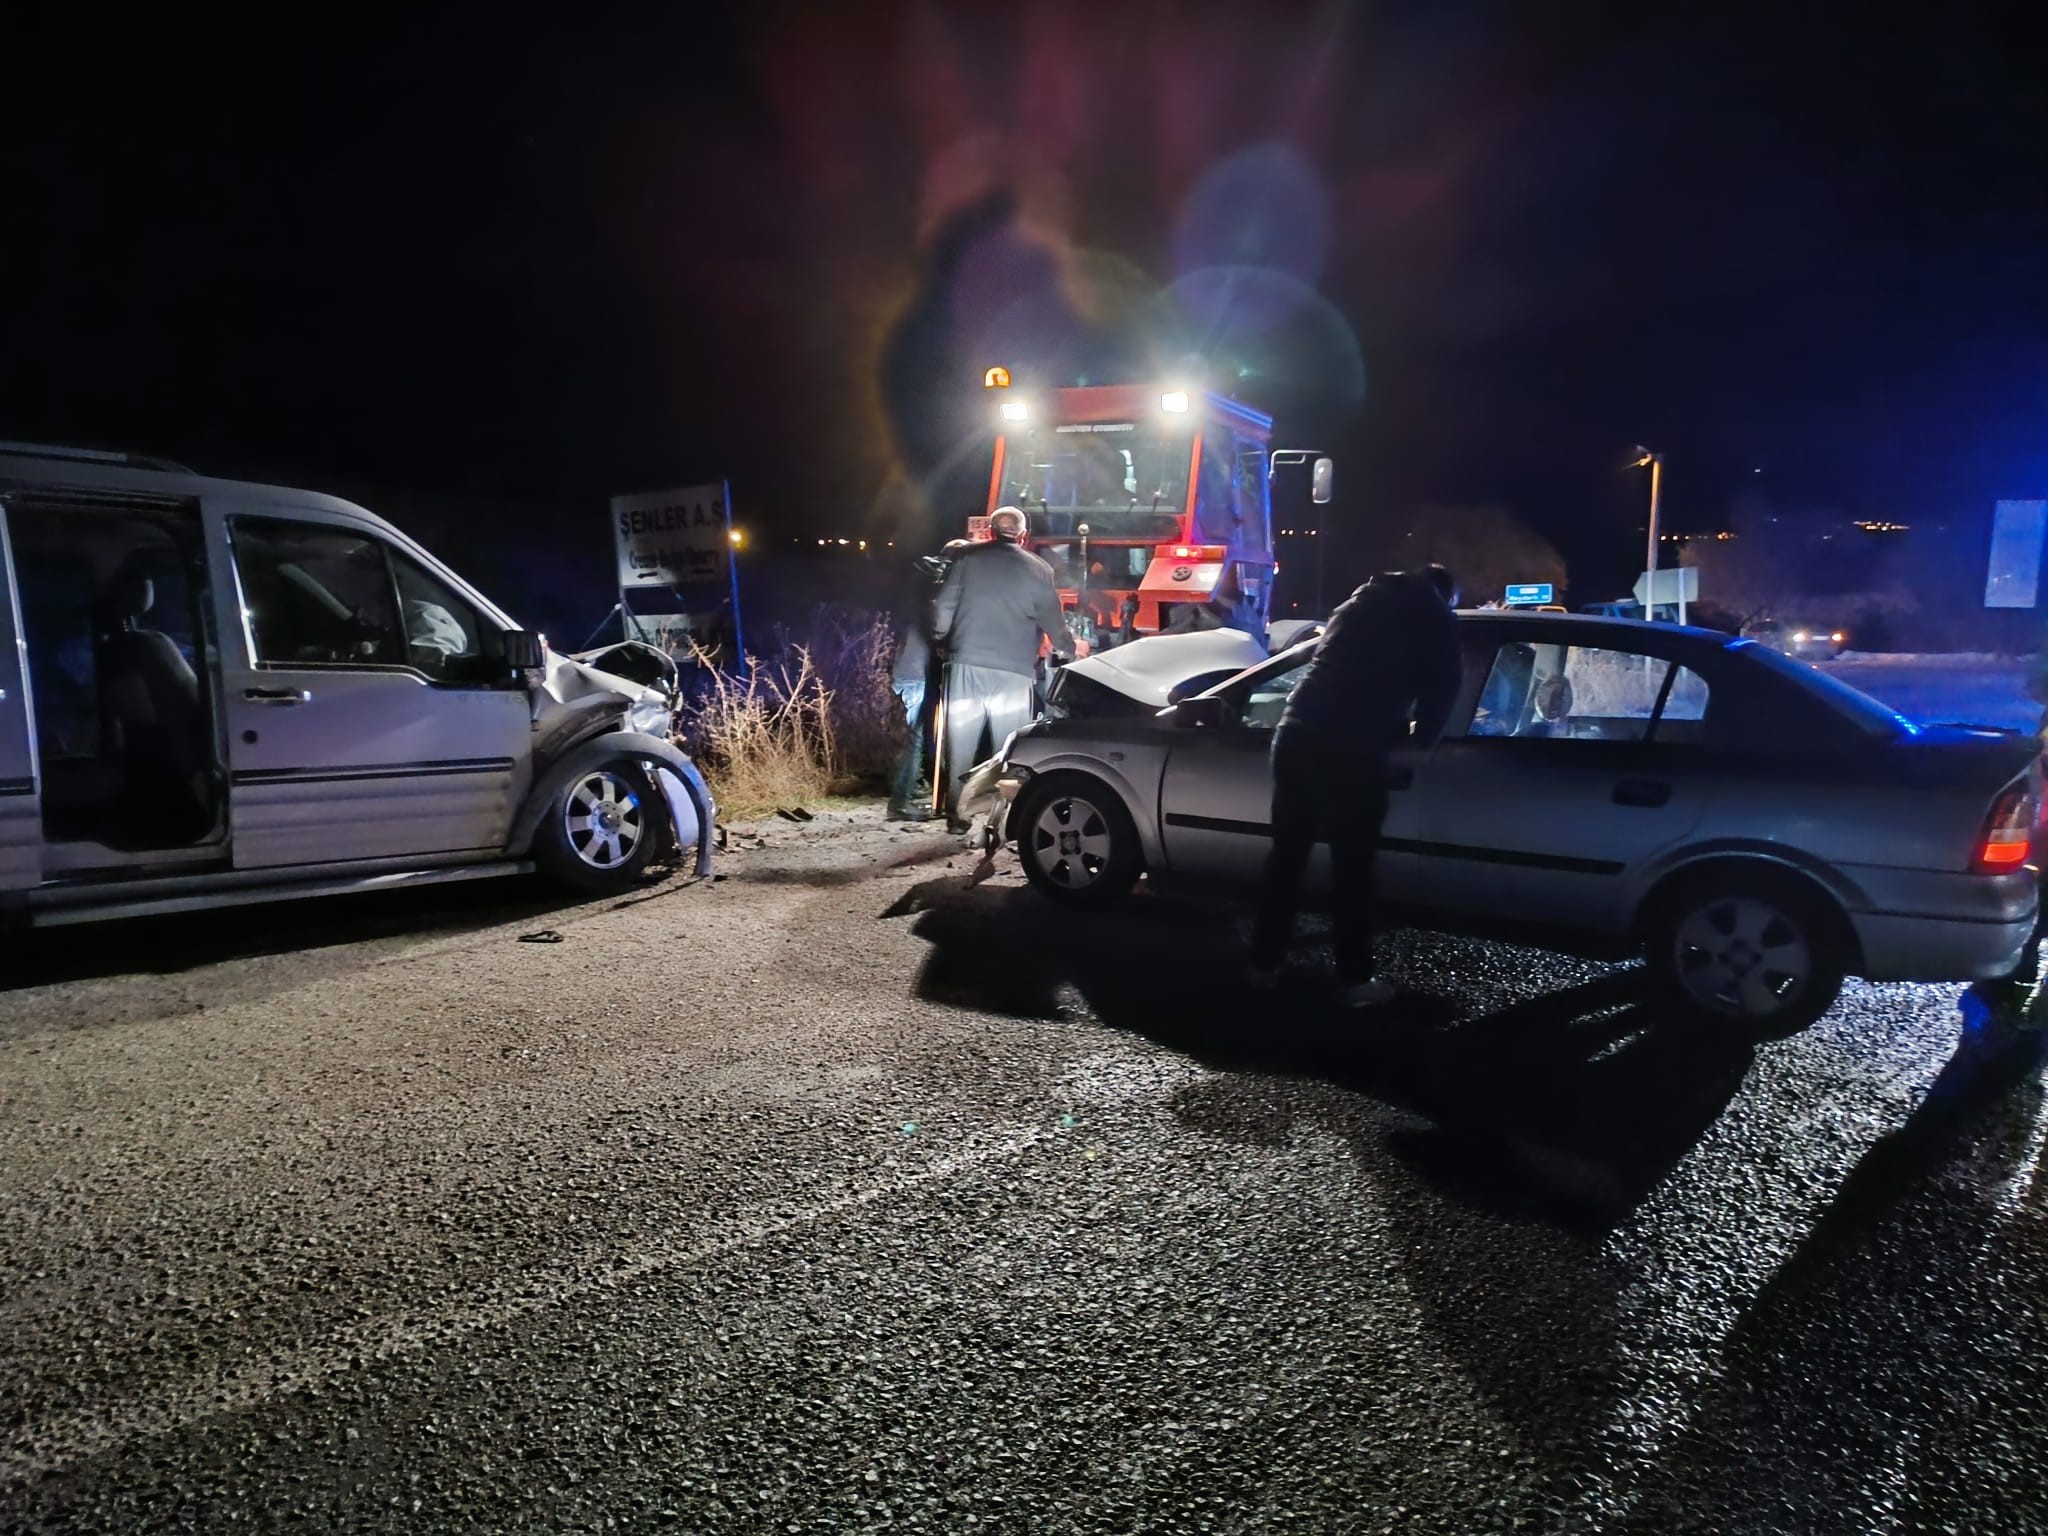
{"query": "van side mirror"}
pixel 523 650
pixel 1204 713
pixel 1325 474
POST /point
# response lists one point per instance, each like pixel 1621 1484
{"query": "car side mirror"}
pixel 524 650
pixel 1204 713
pixel 1319 487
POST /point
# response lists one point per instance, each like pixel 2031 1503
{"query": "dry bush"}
pixel 814 715
pixel 852 650
pixel 762 737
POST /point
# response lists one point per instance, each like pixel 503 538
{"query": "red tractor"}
pixel 1146 500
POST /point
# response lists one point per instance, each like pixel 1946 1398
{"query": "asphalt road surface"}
pixel 851 1192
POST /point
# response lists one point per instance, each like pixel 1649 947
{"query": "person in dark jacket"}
pixel 1384 674
pixel 910 677
pixel 996 603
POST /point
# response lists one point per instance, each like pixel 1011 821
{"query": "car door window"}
pixel 1588 693
pixel 445 637
pixel 319 596
pixel 316 596
pixel 1684 716
pixel 1268 697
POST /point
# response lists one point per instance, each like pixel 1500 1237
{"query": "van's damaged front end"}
pixel 616 701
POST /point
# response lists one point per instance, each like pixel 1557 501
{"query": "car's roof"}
pixel 1583 628
pixel 1611 625
pixel 25 470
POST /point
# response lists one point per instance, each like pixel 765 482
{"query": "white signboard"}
pixel 2017 529
pixel 673 538
pixel 652 626
pixel 1675 584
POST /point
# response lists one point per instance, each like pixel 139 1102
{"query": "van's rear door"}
pixel 21 807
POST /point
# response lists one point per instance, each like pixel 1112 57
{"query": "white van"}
pixel 214 692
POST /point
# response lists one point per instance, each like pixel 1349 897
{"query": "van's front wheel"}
pixel 602 829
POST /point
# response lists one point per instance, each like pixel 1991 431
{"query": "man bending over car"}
pixel 1383 675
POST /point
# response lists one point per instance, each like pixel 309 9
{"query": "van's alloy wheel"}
pixel 604 820
pixel 603 829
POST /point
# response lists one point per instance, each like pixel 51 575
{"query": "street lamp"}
pixel 1656 464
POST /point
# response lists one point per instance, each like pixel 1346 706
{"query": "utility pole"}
pixel 1656 463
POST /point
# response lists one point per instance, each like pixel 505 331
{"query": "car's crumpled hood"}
pixel 572 686
pixel 1148 670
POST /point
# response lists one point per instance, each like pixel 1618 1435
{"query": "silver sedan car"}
pixel 1759 830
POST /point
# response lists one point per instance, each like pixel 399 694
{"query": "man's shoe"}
pixel 1368 994
pixel 958 827
pixel 1263 978
pixel 907 813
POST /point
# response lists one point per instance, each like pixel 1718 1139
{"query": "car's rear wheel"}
pixel 1760 953
pixel 1076 841
pixel 602 829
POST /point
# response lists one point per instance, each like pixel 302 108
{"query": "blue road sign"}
pixel 1530 594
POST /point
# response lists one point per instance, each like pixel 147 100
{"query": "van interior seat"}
pixel 154 720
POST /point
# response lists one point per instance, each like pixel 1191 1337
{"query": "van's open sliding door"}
pixel 21 806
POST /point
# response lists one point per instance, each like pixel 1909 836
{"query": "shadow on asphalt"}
pixel 1567 1108
pixel 925 852
pixel 188 940
pixel 1893 1357
pixel 1559 1113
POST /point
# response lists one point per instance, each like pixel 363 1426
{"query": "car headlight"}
pixel 649 716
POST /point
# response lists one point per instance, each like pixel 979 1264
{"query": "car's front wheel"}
pixel 1076 841
pixel 1760 953
pixel 602 829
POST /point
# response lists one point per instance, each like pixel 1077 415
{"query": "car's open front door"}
pixel 1216 802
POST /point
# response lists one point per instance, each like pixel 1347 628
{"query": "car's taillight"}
pixel 2008 831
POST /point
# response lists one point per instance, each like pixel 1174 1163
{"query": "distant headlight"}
pixel 1838 637
pixel 1801 637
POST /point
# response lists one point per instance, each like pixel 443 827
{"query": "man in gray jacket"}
pixel 998 600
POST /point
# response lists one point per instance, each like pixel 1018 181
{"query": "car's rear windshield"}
pixel 1860 708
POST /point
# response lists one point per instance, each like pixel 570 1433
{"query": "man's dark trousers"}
pixel 1322 788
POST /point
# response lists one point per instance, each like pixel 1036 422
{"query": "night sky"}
pixel 483 272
